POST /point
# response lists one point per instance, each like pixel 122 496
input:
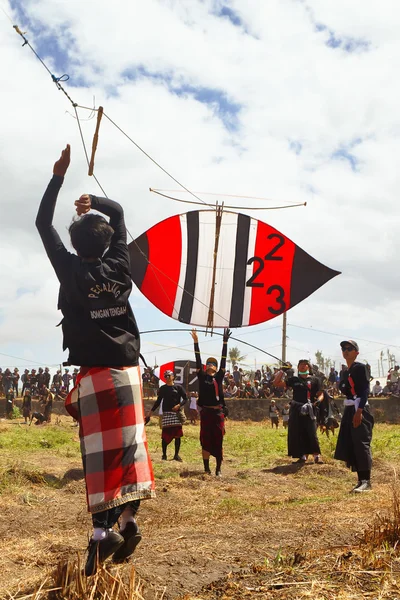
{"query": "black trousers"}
pixel 108 518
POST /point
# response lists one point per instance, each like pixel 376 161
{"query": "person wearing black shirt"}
pixel 27 405
pixel 47 402
pixel 173 397
pixel 57 381
pixel 212 404
pixel 355 433
pixel 40 381
pixel 25 381
pixel 302 424
pixel 100 332
pixel 46 377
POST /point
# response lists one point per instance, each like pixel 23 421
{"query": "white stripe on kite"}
pixel 204 273
pixel 225 269
pixel 249 272
pixel 182 272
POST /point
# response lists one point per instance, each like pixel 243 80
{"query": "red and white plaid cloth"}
pixel 108 405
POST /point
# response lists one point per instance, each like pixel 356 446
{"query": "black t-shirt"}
pixel 300 388
pixel 207 391
pixel 359 374
pixel 99 327
pixel 170 396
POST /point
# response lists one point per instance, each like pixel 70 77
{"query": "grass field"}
pixel 267 529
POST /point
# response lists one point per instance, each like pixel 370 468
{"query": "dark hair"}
pixel 90 235
pixel 305 360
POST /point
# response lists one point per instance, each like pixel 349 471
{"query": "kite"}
pixel 185 372
pixel 214 268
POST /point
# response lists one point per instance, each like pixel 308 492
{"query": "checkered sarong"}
pixel 170 419
pixel 108 405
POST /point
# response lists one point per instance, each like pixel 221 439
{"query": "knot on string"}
pixel 63 77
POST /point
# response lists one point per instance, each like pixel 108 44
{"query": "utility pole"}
pixel 284 336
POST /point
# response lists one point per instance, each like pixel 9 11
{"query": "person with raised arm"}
pixel 100 332
pixel 211 403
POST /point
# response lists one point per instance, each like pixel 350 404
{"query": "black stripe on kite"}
pixel 139 256
pixel 193 229
pixel 308 275
pixel 239 273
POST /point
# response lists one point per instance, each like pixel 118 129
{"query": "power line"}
pixel 344 336
pixel 215 333
pixel 28 360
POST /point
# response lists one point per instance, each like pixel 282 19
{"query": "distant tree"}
pixel 319 357
pixel 235 356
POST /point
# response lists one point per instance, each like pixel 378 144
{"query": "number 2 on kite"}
pixel 261 262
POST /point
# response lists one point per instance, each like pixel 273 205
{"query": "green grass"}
pixel 248 445
pixel 22 440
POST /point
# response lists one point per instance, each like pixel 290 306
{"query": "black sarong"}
pixel 354 443
pixel 302 433
pixel 212 431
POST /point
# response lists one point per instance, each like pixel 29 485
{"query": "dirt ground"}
pixel 199 532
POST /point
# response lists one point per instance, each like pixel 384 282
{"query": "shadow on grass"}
pixel 186 473
pixel 73 475
pixel 289 469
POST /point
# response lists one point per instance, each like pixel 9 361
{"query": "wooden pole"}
pixel 284 336
pixel 95 140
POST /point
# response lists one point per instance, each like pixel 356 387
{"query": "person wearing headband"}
pixel 355 433
pixel 173 397
pixel 212 403
pixel 302 424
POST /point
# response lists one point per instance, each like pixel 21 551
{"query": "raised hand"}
pixel 62 164
pixel 227 334
pixel 83 205
pixel 193 333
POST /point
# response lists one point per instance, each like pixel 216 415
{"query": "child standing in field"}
pixel 285 415
pixel 274 414
pixel 193 408
pixel 100 331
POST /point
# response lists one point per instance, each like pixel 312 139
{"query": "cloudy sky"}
pixel 296 101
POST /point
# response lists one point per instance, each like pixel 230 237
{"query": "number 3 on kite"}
pixel 174 266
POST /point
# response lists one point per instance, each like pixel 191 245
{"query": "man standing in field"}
pixel 100 331
pixel 355 433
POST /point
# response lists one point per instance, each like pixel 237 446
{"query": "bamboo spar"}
pixel 95 140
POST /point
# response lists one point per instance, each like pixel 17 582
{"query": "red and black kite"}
pixel 253 274
pixel 185 372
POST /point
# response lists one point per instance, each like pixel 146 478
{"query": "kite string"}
pixel 153 160
pixel 217 333
pixel 219 194
pixel 75 105
pixel 87 156
pixel 154 191
pixel 154 268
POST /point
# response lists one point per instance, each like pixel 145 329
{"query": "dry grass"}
pixel 68 582
pixel 369 569
pixel 265 530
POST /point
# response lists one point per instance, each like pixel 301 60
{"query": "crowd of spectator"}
pixel 258 384
pixel 36 381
